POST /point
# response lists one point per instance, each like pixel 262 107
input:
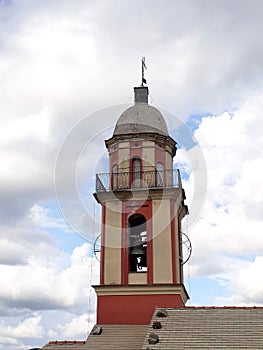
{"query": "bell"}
pixel 138 250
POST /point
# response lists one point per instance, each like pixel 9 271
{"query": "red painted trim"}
pixel 173 240
pixel 133 309
pixel 102 253
pixel 180 249
pixel 144 208
pixel 149 225
pixel 136 144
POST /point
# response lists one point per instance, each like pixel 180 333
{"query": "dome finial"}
pixel 141 92
pixel 143 67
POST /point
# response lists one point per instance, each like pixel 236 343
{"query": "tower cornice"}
pixel 168 140
pixel 106 290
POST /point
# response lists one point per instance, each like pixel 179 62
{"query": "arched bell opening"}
pixel 137 243
pixel 136 172
pixel 159 174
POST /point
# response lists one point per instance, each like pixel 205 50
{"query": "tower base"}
pixel 122 304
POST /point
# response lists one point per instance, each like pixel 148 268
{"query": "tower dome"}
pixel 141 118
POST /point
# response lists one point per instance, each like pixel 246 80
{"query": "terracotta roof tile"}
pixel 65 345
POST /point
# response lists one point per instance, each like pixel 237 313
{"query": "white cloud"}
pixel 250 190
pixel 11 342
pixel 28 328
pixel 35 285
pixel 32 126
pixel 248 284
pixel 76 327
pixel 61 284
pixel 228 235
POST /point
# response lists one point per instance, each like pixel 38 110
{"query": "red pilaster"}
pixel 124 247
pixel 102 253
pixel 149 246
pixel 173 240
pixel 180 247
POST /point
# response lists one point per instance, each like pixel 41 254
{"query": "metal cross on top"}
pixel 143 67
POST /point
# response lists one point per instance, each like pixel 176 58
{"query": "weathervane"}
pixel 143 67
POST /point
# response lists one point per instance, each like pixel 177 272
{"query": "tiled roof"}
pixel 117 337
pixel 190 328
pixel 208 328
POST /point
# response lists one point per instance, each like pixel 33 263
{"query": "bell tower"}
pixel 142 207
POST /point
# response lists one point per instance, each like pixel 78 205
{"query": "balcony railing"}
pixel 137 180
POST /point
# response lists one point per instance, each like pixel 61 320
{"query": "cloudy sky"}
pixel 67 70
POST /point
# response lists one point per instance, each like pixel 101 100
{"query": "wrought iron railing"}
pixel 142 180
